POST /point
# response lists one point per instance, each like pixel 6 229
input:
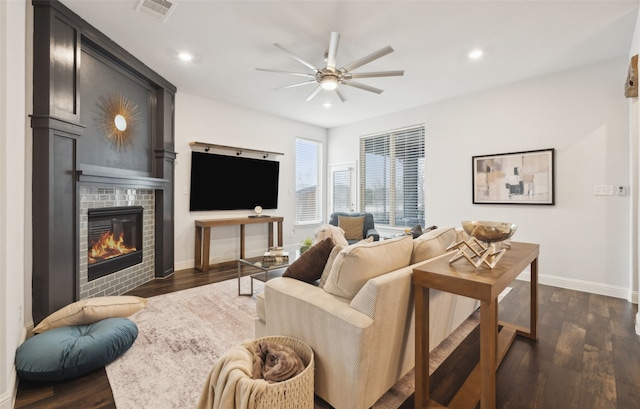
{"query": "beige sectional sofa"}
pixel 360 320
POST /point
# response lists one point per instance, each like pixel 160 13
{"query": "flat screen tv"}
pixel 221 182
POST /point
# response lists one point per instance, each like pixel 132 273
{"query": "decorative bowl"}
pixel 489 232
pixel 276 251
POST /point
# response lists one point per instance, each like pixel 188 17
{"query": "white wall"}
pixel 583 115
pixel 203 120
pixel 13 54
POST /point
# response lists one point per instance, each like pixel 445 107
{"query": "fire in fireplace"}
pixel 115 239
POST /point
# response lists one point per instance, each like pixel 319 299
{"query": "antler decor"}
pixel 481 247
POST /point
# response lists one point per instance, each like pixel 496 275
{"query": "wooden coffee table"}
pixel 483 284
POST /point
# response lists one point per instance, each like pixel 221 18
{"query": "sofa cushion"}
pixel 352 226
pixel 308 267
pixel 355 265
pixel 432 243
pixel 91 310
pixel 327 267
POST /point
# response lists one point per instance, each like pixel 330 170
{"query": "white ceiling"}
pixel 521 39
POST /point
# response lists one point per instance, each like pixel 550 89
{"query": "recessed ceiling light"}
pixel 475 54
pixel 327 105
pixel 185 56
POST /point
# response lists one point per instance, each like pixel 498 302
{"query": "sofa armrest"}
pixel 373 233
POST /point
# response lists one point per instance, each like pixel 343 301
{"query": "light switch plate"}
pixel 603 190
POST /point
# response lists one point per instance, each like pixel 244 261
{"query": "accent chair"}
pixel 350 223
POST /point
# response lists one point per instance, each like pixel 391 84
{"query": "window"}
pixel 308 192
pixel 342 187
pixel 392 177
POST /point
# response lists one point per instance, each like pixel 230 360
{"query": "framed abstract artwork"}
pixel 514 178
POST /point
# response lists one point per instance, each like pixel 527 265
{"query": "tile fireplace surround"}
pixel 117 283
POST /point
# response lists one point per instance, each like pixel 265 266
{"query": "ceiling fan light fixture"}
pixel 330 76
pixel 329 83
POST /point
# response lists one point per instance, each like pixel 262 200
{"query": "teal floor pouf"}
pixel 72 351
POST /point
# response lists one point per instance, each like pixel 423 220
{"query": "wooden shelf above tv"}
pixel 230 150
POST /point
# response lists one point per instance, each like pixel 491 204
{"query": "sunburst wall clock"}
pixel 117 120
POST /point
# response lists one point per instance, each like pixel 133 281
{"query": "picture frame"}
pixel 525 178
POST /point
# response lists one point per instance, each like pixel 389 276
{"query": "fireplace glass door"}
pixel 115 239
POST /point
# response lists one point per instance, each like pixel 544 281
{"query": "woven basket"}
pixel 294 393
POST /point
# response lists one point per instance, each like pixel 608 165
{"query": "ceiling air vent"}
pixel 160 9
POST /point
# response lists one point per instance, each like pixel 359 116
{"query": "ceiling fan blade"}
pixel 363 86
pixel 367 59
pixel 343 98
pixel 287 72
pixel 398 73
pixel 314 93
pixel 295 57
pixel 333 49
pixel 298 84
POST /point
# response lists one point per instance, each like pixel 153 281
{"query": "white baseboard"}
pixel 638 323
pixel 8 399
pixel 585 286
pixel 183 265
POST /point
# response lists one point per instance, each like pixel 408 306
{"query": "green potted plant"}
pixel 306 244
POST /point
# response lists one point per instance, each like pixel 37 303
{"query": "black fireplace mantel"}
pixel 115 179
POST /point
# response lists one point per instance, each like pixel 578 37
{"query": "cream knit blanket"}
pixel 229 384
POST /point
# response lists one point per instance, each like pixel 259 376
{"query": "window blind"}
pixel 392 166
pixel 342 190
pixel 307 181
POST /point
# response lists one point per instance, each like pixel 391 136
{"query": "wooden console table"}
pixel 483 284
pixel 203 235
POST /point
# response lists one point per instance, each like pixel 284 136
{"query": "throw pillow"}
pixel 308 267
pixel 334 232
pixel 355 265
pixel 91 310
pixel 416 231
pixel 327 267
pixel 352 227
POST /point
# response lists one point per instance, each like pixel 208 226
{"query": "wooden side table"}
pixel 483 284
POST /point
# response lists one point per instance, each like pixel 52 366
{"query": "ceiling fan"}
pixel 330 77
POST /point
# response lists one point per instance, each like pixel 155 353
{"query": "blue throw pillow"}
pixel 72 351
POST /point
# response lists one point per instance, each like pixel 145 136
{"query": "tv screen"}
pixel 221 182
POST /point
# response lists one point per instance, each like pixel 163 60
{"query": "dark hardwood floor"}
pixel 587 355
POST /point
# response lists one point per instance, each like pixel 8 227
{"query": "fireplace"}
pixel 114 239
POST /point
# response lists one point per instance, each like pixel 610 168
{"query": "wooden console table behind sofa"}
pixel 485 285
pixel 203 235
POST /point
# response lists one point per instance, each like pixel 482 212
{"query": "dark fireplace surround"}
pixel 74 67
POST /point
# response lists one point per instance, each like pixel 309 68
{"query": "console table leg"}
pixel 488 353
pixel 206 245
pixel 198 249
pixel 270 237
pixel 421 394
pixel 533 309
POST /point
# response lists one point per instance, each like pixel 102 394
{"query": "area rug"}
pixel 182 334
